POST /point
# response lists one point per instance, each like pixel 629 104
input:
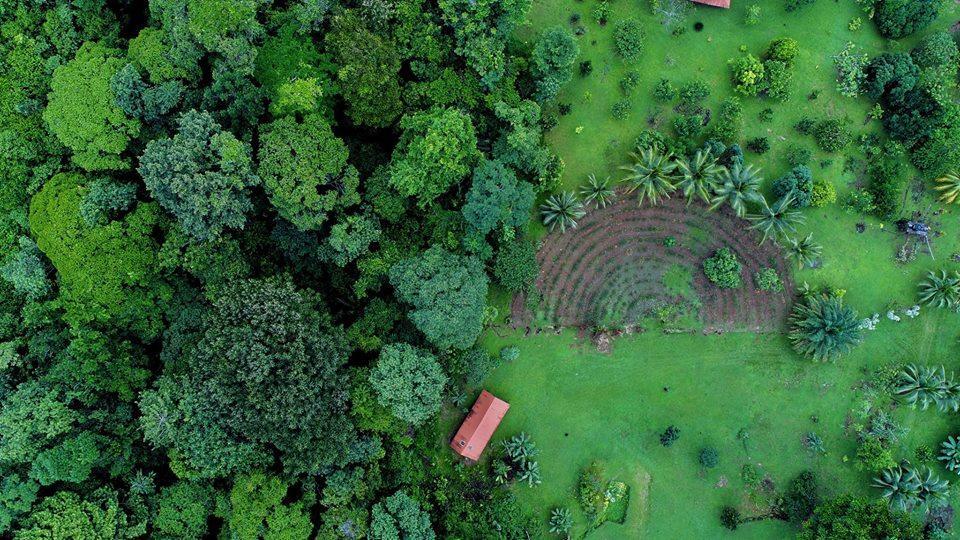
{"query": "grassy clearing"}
pixel 580 406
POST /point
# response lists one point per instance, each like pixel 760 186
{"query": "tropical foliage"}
pixel 562 211
pixel 823 328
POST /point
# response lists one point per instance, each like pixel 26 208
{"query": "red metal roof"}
pixel 479 425
pixel 714 3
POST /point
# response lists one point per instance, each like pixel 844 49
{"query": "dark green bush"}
pixel 723 269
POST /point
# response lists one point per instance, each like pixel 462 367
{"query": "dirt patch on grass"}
pixel 614 265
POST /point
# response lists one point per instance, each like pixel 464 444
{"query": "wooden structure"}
pixel 479 425
pixel 715 3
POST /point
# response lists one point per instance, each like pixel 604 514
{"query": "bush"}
pixel 823 193
pixel 729 120
pixel 798 182
pixel 516 265
pixel 935 51
pixel 753 15
pixel 747 75
pixel 777 82
pixel 759 145
pixel 664 91
pixel 723 269
pixel 831 134
pixel 692 93
pixel 782 50
pixel 669 436
pixel 887 174
pixel 900 18
pixel 621 110
pixel 805 126
pixel 586 68
pixel 709 457
pixel 628 38
pixel 768 280
pixel 801 497
pixel 730 517
pixel 630 81
pixel 509 353
pixel 798 155
pixel 859 201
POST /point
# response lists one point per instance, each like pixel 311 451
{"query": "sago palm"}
pixel 925 385
pixel 950 454
pixel 651 174
pixel 804 251
pixel 562 211
pixel 823 328
pixel 776 219
pixel 738 186
pixel 941 290
pixel 697 176
pixel 900 487
pixel 597 191
pixel 949 186
pixel 931 487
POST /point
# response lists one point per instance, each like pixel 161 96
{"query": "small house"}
pixel 479 425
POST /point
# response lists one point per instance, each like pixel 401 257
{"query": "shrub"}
pixel 664 91
pixel 801 497
pixel 823 193
pixel 851 68
pixel 923 453
pixel 723 269
pixel 669 436
pixel 794 5
pixel 777 82
pixel 798 182
pixel 516 265
pixel 621 109
pixel 692 93
pixel 798 155
pixel 782 50
pixel 831 134
pixel 628 38
pixel 586 68
pixel 767 280
pixel 874 455
pixel 753 15
pixel 888 179
pixel 730 517
pixel 747 75
pixel 509 353
pixel 859 201
pixel 729 120
pixel 630 81
pixel 805 126
pixel 709 457
pixel 561 521
pixel 759 145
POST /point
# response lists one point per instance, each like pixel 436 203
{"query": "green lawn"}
pixel 580 405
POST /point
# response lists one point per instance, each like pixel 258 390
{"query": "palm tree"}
pixel 597 191
pixel 776 220
pixel 651 174
pixel 924 385
pixel 530 473
pixel 941 290
pixel 698 176
pixel 520 448
pixel 901 487
pixel 949 184
pixel 738 186
pixel 804 251
pixel 822 328
pixel 950 454
pixel 562 211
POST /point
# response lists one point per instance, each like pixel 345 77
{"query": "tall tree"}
pixel 201 175
pixel 497 198
pixel 409 382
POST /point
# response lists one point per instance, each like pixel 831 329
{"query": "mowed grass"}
pixel 580 406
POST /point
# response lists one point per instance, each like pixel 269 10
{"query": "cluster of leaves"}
pixel 768 76
pixel 823 328
pixel 724 269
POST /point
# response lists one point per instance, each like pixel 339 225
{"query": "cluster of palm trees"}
pixel 655 175
pixel 519 461
pixel 906 487
pixel 928 385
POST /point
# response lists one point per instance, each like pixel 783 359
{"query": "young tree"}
pixel 409 382
pixel 202 176
pixel 304 170
pixel 82 113
pixel 553 58
pixel 448 294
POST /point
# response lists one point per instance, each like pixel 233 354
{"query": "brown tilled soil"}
pixel 617 254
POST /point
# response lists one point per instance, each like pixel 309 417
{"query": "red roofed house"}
pixel 479 425
pixel 714 3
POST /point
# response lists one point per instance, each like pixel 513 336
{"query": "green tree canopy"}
pixel 437 149
pixel 257 510
pixel 264 377
pixel 409 382
pixel 400 516
pixel 858 518
pixel 448 293
pixel 201 176
pixel 107 273
pixel 82 113
pixel 305 171
pixel 497 198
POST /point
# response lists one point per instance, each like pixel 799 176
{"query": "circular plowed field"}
pixel 616 261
